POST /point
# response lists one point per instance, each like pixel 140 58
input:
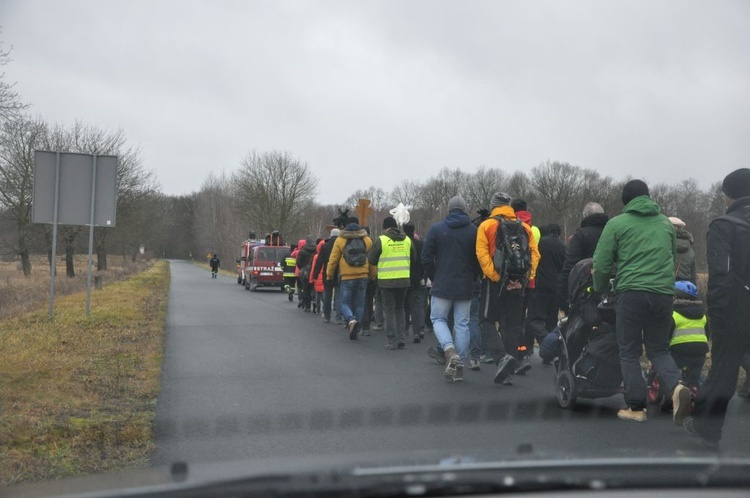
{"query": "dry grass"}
pixel 79 394
pixel 19 294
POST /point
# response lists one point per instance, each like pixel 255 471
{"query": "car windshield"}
pixel 247 238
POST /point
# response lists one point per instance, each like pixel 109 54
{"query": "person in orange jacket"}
pixel 502 295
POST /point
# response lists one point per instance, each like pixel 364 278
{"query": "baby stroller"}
pixel 587 364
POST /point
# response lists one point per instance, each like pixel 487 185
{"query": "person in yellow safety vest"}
pixel 393 254
pixel 689 344
pixel 290 278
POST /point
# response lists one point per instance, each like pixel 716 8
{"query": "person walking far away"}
pixel 449 259
pixel 215 263
pixel 349 259
pixel 320 269
pixel 393 255
pixel 508 256
pixel 640 243
pixel 728 302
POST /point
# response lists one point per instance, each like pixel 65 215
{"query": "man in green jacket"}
pixel 640 245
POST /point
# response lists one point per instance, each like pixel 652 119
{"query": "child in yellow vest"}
pixel 688 344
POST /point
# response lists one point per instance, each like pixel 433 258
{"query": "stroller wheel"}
pixel 565 389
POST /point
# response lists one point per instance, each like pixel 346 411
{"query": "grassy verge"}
pixel 78 394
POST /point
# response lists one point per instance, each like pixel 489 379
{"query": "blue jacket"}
pixel 449 256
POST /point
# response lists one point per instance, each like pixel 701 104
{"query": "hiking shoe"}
pixel 505 368
pixel 633 415
pixel 524 367
pixel 459 375
pixel 473 364
pixel 352 330
pixel 681 404
pixel 690 428
pixel 451 362
pixel 436 354
pixel 377 326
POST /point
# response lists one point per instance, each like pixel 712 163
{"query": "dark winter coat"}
pixel 685 256
pixel 552 251
pixel 581 245
pixel 416 272
pixel 728 258
pixel 449 257
pixel 325 254
pixel 305 256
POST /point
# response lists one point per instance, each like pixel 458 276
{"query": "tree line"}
pixel 274 190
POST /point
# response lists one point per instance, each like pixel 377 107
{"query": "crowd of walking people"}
pixel 492 286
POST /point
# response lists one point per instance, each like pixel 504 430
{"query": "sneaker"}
pixel 508 381
pixel 377 326
pixel 485 358
pixel 473 364
pixel 352 330
pixel 524 367
pixel 690 428
pixel 451 364
pixel 459 375
pixel 634 415
pixel 681 404
pixel 505 368
pixel 436 354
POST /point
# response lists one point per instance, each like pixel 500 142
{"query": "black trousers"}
pixel 728 346
pixel 499 306
pixel 541 317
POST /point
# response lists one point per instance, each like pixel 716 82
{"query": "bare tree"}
pixel 273 189
pixel 482 185
pixel 217 224
pixel 18 139
pixel 11 104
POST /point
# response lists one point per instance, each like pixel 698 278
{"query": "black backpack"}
pixel 512 257
pixel 355 252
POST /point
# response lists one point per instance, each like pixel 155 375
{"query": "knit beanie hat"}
pixel 737 184
pixel 500 199
pixel 633 189
pixel 335 232
pixel 389 222
pixel 409 229
pixel 519 205
pixel 457 202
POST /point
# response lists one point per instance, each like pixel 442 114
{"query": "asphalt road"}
pixel 248 375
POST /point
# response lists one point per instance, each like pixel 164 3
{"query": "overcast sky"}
pixel 373 93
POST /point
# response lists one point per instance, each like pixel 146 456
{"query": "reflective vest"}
pixel 289 265
pixel 688 329
pixel 394 258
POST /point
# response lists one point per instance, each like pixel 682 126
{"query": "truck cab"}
pixel 261 265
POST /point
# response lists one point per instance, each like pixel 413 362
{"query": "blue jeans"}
pixel 353 298
pixel 440 308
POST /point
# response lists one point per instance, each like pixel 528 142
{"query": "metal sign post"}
pixel 74 189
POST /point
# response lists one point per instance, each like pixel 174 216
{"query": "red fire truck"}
pixel 261 264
